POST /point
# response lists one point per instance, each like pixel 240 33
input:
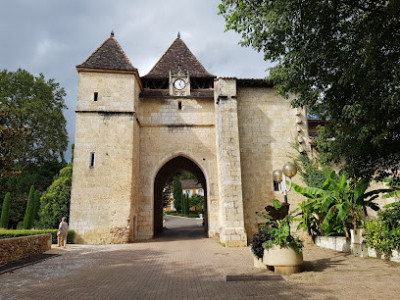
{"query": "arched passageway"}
pixel 172 167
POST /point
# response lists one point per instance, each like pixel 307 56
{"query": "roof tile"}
pixel 109 56
pixel 178 57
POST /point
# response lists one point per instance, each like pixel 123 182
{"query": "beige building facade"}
pixel 132 135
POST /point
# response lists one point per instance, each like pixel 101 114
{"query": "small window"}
pixel 91 159
pixel 276 186
pixel 180 105
pixel 96 96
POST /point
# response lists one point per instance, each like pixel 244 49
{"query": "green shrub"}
pixel 5 212
pixel 383 234
pixel 6 234
pixel 28 219
pixel 55 201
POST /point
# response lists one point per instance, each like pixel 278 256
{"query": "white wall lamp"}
pixel 289 170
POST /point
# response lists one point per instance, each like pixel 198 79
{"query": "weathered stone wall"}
pixel 268 127
pixel 231 224
pixel 102 200
pixel 167 132
pixel 116 92
pixel 18 248
pixel 236 143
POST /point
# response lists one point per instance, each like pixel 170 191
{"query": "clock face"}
pixel 179 84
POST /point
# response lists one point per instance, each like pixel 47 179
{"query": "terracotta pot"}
pixel 283 260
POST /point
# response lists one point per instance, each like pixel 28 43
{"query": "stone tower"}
pixel 105 158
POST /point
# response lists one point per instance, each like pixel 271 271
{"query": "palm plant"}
pixel 338 206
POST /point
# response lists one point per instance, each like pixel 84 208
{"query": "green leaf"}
pixel 360 189
pixel 277 204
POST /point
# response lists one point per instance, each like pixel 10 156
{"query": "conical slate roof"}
pixel 109 56
pixel 178 57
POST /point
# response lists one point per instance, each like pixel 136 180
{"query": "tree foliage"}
pixel 36 205
pixel 30 206
pixel 341 59
pixel 55 201
pixel 34 103
pixel 186 204
pixel 178 194
pixel 196 201
pixel 40 176
pixel 337 206
pixel 5 211
pixel 11 139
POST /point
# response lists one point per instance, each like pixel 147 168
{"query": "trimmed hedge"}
pixel 6 234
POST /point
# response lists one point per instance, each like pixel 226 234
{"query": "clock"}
pixel 179 84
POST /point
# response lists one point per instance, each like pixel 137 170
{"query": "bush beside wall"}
pixel 6 234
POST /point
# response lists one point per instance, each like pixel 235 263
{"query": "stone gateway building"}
pixel 134 132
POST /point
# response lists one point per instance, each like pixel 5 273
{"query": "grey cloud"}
pixel 53 36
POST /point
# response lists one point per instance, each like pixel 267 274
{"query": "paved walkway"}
pixel 182 264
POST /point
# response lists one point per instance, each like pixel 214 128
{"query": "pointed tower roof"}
pixel 109 56
pixel 178 57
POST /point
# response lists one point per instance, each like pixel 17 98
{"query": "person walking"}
pixel 62 233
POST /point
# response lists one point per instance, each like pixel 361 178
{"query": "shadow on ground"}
pixel 180 228
pixel 9 268
pixel 319 265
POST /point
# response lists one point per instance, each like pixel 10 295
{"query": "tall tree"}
pixel 178 194
pixel 11 139
pixel 341 59
pixel 5 211
pixel 36 104
pixel 36 206
pixel 30 206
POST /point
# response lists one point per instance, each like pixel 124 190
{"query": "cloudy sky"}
pixel 53 36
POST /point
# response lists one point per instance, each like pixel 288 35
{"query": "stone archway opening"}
pixel 170 169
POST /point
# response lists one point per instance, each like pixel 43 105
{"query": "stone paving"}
pixel 182 264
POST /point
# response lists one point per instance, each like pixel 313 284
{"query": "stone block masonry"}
pixel 18 248
pixel 232 230
pixel 135 133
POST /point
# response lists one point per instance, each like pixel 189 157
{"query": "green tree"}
pixel 28 219
pixel 186 207
pixel 177 194
pixel 36 104
pixel 5 211
pixel 55 201
pixel 36 206
pixel 341 59
pixel 11 139
pixel 196 201
pixel 39 176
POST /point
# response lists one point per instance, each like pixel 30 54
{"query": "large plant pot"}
pixel 357 236
pixel 284 260
pixel 357 240
pixel 258 263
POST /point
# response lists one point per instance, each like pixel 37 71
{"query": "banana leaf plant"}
pixel 338 206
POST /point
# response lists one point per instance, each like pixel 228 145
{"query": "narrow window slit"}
pixel 91 159
pixel 96 95
pixel 180 105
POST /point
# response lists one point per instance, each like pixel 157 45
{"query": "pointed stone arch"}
pixel 168 169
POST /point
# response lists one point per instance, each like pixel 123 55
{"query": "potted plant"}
pixel 257 248
pixel 282 251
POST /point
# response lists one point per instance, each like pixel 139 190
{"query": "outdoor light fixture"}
pixel 279 176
